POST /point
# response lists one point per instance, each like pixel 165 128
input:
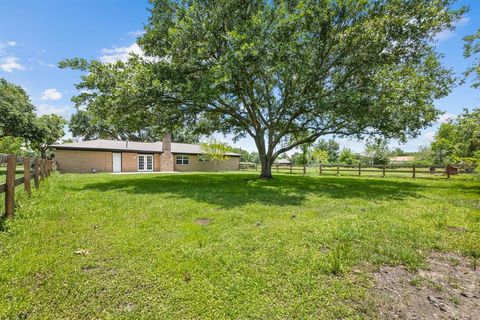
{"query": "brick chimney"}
pixel 167 143
pixel 166 158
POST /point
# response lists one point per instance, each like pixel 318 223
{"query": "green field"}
pixel 130 246
pixel 3 172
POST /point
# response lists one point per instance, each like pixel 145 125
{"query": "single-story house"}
pixel 283 162
pixel 401 159
pixel 129 156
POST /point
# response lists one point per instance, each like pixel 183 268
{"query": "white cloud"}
pixel 444 118
pixel 136 33
pixel 447 34
pixel 8 64
pixel 444 35
pixel 121 53
pixel 7 44
pixel 63 111
pixel 424 139
pixel 51 94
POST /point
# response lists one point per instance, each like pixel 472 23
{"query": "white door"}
pixel 117 162
pixel 145 162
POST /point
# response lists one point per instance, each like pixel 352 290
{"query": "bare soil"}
pixel 449 288
pixel 203 221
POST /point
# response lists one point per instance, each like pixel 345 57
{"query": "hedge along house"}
pixel 128 156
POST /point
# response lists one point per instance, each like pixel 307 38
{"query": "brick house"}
pixel 128 156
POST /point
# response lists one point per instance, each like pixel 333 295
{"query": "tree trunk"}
pixel 266 163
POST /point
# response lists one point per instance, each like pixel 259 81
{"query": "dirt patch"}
pixel 456 229
pixel 203 221
pixel 448 289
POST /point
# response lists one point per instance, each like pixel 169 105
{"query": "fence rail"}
pixel 42 168
pixel 414 170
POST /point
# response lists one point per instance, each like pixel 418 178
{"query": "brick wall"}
pixel 129 161
pixel 83 161
pixel 101 161
pixel 230 164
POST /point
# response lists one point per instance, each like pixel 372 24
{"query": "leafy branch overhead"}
pixel 284 73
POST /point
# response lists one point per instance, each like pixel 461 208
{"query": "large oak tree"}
pixel 288 72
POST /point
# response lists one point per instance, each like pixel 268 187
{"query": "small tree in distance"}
pixel 49 130
pixel 347 156
pixel 215 151
pixel 320 156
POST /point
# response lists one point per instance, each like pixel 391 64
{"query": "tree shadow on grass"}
pixel 233 190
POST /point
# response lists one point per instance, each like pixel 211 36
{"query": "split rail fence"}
pixel 383 170
pixel 33 168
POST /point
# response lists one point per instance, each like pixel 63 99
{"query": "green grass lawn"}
pixel 293 247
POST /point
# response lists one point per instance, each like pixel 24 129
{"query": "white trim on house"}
pixel 116 162
pixel 144 165
pixel 182 159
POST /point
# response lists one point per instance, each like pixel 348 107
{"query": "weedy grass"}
pixel 130 246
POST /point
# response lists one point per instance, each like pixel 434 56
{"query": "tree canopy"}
pixel 49 130
pixel 472 50
pixel 17 113
pixel 331 147
pixel 282 72
pixel 377 152
pixel 120 101
pixel 459 139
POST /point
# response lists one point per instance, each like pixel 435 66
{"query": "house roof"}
pixel 283 161
pixel 402 158
pixel 132 146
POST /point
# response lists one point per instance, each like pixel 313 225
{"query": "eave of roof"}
pixel 143 147
pixel 60 147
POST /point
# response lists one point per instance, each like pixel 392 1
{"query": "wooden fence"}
pixel 42 169
pixel 413 170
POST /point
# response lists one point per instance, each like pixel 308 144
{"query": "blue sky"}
pixel 35 35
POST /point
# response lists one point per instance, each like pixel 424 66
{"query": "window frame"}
pixel 182 159
pixel 145 162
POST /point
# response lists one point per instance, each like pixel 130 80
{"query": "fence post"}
pixel 413 175
pixel 304 168
pixel 277 167
pixel 42 169
pixel 448 171
pixel 10 185
pixel 383 171
pixel 338 170
pixel 290 168
pixel 320 170
pixel 359 169
pixel 36 173
pixel 26 175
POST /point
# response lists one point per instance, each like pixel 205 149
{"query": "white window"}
pixel 145 162
pixel 182 159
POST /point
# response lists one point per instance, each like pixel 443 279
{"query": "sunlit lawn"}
pixel 293 247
